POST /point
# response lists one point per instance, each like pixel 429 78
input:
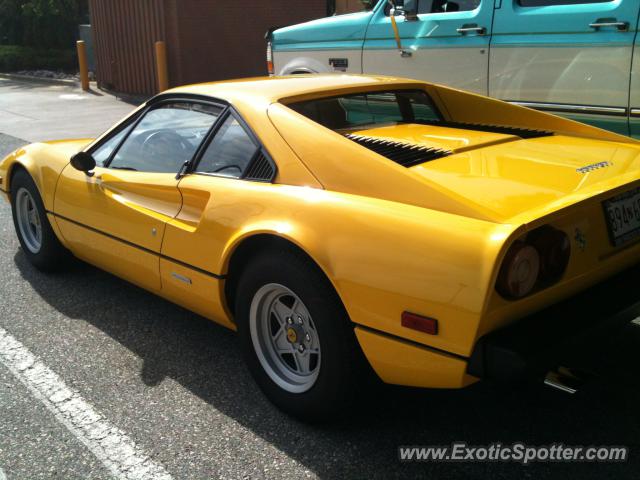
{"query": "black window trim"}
pixel 130 121
pixel 152 104
pixel 161 99
pixel 260 149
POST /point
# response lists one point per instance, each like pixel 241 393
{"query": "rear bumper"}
pixel 400 362
pixel 537 343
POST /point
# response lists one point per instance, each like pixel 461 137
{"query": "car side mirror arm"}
pixel 184 169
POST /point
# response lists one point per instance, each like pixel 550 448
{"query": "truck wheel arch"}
pixel 300 65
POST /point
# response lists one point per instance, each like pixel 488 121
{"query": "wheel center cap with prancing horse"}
pixel 293 334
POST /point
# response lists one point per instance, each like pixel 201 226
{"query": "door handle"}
pixel 469 29
pixel 621 26
pixel 102 180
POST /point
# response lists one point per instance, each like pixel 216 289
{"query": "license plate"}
pixel 623 217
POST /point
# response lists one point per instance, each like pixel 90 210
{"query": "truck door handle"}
pixel 463 30
pixel 621 26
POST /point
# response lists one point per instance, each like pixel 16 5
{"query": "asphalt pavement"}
pixel 175 385
pixel 38 110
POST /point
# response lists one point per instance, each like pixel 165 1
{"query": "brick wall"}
pixel 222 40
pixel 348 6
pixel 124 33
pixel 206 39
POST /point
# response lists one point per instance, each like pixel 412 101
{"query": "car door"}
pixel 213 210
pixel 447 43
pixel 571 57
pixel 116 217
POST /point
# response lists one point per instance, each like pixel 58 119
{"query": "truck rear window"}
pixel 371 108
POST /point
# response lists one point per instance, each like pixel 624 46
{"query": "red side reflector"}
pixel 420 323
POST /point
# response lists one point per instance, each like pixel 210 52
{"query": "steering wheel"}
pixel 167 148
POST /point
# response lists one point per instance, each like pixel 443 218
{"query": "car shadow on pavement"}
pixel 205 359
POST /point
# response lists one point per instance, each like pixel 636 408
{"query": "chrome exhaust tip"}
pixel 564 379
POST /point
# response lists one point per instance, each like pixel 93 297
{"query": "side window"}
pixel 425 6
pixel 104 151
pixel 546 3
pixel 230 151
pixel 166 137
pixel 402 4
pixel 444 6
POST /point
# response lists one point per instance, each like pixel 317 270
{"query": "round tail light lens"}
pixel 519 272
pixel 554 248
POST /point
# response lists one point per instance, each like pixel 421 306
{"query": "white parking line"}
pixel 123 458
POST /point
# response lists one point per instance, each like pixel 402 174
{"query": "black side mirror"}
pixel 83 161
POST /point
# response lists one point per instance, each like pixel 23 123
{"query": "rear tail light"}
pixel 519 271
pixel 270 68
pixel 536 261
pixel 554 248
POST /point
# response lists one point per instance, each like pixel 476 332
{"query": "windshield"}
pixel 371 108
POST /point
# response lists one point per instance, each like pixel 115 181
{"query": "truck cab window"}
pixel 442 6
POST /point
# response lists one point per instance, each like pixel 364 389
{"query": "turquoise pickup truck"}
pixel 577 58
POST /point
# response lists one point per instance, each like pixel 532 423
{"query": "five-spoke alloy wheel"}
pixel 296 336
pixel 29 222
pixel 38 240
pixel 285 338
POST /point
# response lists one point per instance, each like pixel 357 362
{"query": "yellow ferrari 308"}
pixel 347 225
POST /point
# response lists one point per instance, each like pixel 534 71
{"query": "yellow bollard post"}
pixel 83 64
pixel 161 65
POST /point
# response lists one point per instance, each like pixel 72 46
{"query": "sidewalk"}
pixel 38 110
pixel 7 145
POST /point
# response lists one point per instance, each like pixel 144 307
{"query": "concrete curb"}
pixel 29 78
pixel 132 99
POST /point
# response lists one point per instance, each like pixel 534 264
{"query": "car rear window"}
pixel 370 108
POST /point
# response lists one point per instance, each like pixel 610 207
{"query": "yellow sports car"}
pixel 345 224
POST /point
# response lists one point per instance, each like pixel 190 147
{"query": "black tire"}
pixel 51 255
pixel 343 369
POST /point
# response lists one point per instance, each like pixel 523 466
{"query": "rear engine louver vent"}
pixel 480 127
pixel 260 169
pixel 405 154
